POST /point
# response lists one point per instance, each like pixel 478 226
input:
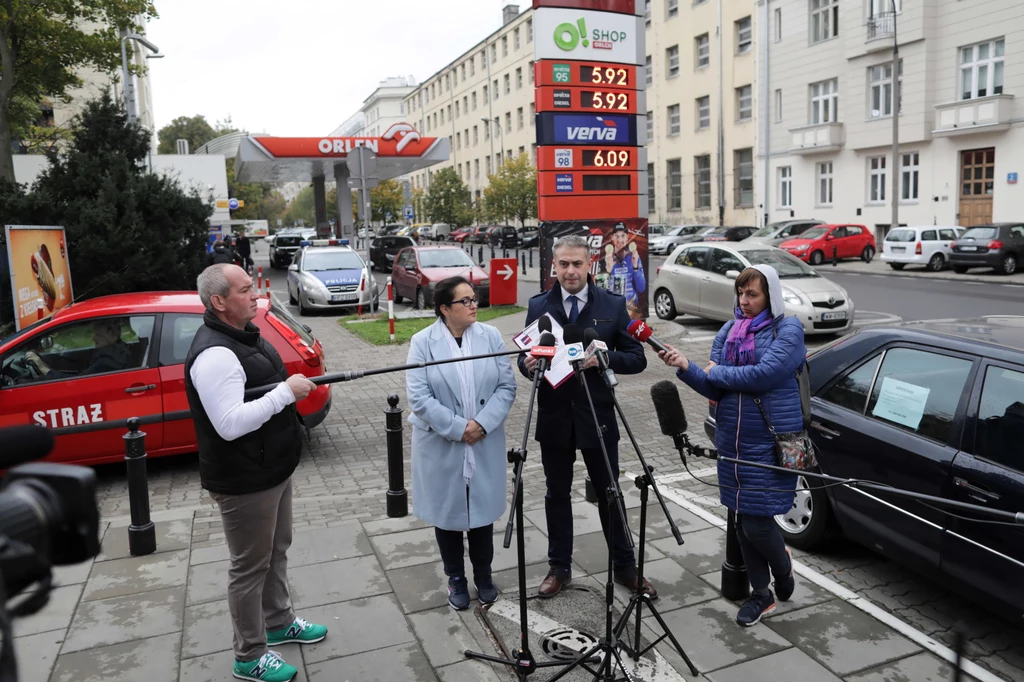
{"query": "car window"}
pixel 176 337
pixel 723 261
pixel 852 390
pixel 947 234
pixel 929 236
pixel 814 233
pixel 694 257
pixel 1017 231
pixel 981 233
pixel 918 391
pixel 1001 418
pixel 282 314
pixel 91 347
pixel 901 235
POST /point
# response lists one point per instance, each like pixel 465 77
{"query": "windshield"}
pixel 980 233
pixel 788 267
pixel 814 233
pixel 901 236
pixel 767 230
pixel 445 258
pixel 331 260
pixel 679 230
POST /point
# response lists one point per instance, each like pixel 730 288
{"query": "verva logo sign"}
pixel 575 34
pixel 605 131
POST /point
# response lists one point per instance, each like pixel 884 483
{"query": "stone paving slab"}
pixel 142 660
pixel 920 668
pixel 118 577
pixel 126 618
pixel 791 665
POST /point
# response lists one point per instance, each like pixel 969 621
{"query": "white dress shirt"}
pixel 582 296
pixel 219 379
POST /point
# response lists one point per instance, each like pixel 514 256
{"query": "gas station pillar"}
pixel 345 225
pixel 319 203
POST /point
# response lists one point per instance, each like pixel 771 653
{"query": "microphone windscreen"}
pixel 572 334
pixel 544 324
pixel 589 335
pixel 669 408
pixel 24 444
pixel 547 339
pixel 639 331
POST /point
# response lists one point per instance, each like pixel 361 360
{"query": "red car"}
pixel 462 234
pixel 418 269
pixel 110 358
pixel 821 242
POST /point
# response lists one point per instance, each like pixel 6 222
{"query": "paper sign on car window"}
pixel 901 402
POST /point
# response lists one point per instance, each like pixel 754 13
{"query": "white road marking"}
pixel 850 597
pixel 696 339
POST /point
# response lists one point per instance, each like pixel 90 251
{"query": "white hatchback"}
pixel 927 245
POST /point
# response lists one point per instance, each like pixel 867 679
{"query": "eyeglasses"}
pixel 468 301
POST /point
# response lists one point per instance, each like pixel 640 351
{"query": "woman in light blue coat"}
pixel 458 413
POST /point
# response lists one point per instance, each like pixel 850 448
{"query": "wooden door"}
pixel 977 182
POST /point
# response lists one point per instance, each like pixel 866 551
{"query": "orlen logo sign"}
pixel 568 36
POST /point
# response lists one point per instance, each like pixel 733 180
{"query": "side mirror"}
pixel 369 264
pixel 293 267
pixel 732 274
pixel 829 237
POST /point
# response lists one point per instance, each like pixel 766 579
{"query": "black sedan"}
pixel 384 249
pixel 932 407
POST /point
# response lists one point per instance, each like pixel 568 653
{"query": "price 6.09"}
pixel 610 158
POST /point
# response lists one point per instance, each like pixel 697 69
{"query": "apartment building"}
pixel 700 86
pixel 483 101
pixel 958 90
pixel 383 108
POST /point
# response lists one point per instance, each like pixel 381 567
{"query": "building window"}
pixel 458 140
pixel 476 135
pixel 675 185
pixel 825 183
pixel 529 30
pixel 447 82
pixel 880 80
pixel 520 118
pixel 465 104
pixel 703 113
pixel 673 8
pixel 647 12
pixel 824 20
pixel 650 126
pixel 497 93
pixel 650 188
pixel 463 70
pixel 473 98
pixel 744 37
pixel 487 131
pixel 533 114
pixel 778 106
pixel 519 78
pixel 744 160
pixel 522 150
pixel 494 53
pixel 483 59
pixel 485 94
pixel 508 84
pixel 744 103
pixel 472 65
pixel 649 72
pixel 778 24
pixel 702 186
pixel 876 179
pixel 825 101
pixel 504 46
pixel 909 164
pixel 877 7
pixel 981 69
pixel 785 187
pixel 442 116
pixel 672 58
pixel 508 121
pixel 673 120
pixel 476 168
pixel 529 69
pixel 515 38
pixel 457 112
pixel 703 45
pixel 488 165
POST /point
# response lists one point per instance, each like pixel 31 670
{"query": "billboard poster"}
pixel 40 272
pixel 618 257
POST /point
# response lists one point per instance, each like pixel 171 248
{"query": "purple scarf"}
pixel 739 347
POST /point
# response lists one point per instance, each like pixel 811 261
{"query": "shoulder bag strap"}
pixel 764 415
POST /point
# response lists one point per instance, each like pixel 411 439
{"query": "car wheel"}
pixel 302 308
pixel 897 266
pixel 421 300
pixel 1009 264
pixel 664 305
pixel 291 299
pixel 936 262
pixel 398 299
pixel 867 254
pixel 809 523
pixel 817 258
pixel 959 269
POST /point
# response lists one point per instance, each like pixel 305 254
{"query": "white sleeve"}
pixel 220 382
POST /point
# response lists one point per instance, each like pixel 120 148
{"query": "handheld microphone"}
pixel 573 339
pixel 598 348
pixel 639 330
pixel 24 444
pixel 544 351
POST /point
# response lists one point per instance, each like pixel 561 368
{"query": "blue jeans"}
pixel 763 548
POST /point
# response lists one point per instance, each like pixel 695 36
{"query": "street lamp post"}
pixel 895 124
pixel 129 84
pixel 501 136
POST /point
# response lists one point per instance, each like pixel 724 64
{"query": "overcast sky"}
pixel 301 67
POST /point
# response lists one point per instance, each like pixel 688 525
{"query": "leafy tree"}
pixel 43 45
pixel 301 207
pixel 387 197
pixel 447 200
pixel 512 192
pixel 195 129
pixel 419 201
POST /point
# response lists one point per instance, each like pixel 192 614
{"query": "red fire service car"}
pixel 96 363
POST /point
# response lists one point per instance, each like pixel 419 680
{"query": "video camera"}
pixel 48 517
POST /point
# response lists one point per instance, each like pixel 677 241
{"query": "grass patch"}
pixel 376 330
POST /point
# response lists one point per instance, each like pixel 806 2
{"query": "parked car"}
pixel 419 269
pixel 529 237
pixel 999 246
pixel 655 229
pixel 504 237
pixel 286 244
pixel 666 243
pixel 157 329
pixel 773 234
pixel 928 246
pixel 462 234
pixel 817 244
pixel 699 279
pixel 436 232
pixel 729 234
pixel 325 276
pixel 384 249
pixel 936 408
pixel 389 230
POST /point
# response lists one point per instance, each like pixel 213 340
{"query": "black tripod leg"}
pixel 672 638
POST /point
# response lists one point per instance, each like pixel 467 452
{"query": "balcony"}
pixel 881 26
pixel 981 115
pixel 818 138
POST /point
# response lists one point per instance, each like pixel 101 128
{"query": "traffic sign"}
pixel 233 204
pixel 504 281
pixel 409 213
pixel 387 215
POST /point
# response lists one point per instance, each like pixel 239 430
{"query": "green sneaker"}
pixel 300 632
pixel 269 668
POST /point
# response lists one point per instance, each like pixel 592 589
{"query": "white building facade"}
pixel 827 120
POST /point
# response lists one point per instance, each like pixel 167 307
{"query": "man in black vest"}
pixel 247 453
pixel 564 421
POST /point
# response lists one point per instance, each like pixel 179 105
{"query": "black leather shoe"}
pixel 553 584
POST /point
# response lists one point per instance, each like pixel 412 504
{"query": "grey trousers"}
pixel 258 528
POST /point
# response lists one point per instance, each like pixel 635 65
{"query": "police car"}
pixel 327 275
pixel 94 364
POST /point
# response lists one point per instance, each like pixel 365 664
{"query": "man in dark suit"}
pixel 564 421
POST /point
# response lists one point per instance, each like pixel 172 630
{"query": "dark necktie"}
pixel 574 311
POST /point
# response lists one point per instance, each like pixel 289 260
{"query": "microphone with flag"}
pixel 640 331
pixel 544 351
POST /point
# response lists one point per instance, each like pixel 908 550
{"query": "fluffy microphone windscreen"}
pixel 669 408
pixel 572 334
pixel 24 444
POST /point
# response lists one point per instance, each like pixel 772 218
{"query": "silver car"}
pixel 699 279
pixel 774 234
pixel 665 243
pixel 330 277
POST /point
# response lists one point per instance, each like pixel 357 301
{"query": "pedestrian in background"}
pixel 220 255
pixel 247 453
pixel 458 413
pixel 754 361
pixel 244 250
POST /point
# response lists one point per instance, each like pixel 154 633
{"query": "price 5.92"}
pixel 605 101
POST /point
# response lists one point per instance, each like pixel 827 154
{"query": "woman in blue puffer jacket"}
pixel 757 355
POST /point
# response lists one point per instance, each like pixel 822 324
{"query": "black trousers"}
pixel 481 550
pixel 763 549
pixel 558 504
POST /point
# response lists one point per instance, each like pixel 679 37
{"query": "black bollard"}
pixel 480 254
pixel 531 258
pixel 504 252
pixel 397 497
pixel 524 263
pixel 835 259
pixel 735 585
pixel 142 532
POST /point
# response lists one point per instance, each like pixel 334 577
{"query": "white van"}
pixel 927 245
pixel 436 232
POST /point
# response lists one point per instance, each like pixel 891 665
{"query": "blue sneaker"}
pixel 487 593
pixel 757 606
pixel 458 593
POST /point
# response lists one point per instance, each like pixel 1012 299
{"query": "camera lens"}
pixel 29 511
